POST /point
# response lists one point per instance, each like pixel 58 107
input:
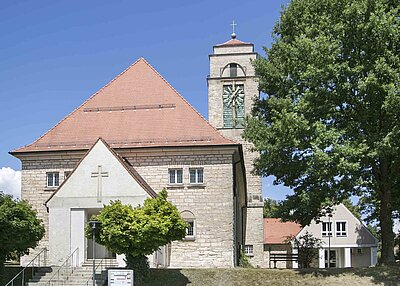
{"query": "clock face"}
pixel 233 104
pixel 233 95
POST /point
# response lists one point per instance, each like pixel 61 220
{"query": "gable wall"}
pixel 357 234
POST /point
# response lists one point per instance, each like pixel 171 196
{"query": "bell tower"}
pixel 232 89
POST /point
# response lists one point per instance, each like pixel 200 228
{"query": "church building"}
pixel 138 135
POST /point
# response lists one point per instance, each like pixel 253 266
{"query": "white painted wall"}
pixel 59 235
pixel 79 192
pixel 78 221
pixel 357 233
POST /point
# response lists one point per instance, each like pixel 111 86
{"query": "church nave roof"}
pixel 138 108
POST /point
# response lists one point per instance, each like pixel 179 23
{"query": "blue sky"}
pixel 55 54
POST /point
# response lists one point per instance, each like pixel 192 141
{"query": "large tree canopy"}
pixel 329 124
pixel 20 229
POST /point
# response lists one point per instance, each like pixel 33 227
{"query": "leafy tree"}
pixel 307 246
pixel 244 260
pixel 354 209
pixel 329 124
pixel 137 232
pixel 271 208
pixel 20 228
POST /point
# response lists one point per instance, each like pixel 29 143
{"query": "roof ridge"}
pixel 185 101
pixel 82 104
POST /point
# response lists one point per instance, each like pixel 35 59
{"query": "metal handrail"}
pixel 95 270
pixel 32 262
pixel 63 266
pixel 101 268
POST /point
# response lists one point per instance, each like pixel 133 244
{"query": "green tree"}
pixel 271 208
pixel 307 246
pixel 20 228
pixel 137 232
pixel 329 124
pixel 354 209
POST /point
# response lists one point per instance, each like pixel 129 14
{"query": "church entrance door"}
pixel 100 251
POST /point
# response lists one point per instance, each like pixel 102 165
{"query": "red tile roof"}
pixel 276 231
pixel 233 42
pixel 138 108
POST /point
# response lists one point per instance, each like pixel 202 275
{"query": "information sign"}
pixel 120 277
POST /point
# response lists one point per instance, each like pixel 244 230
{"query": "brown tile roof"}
pixel 138 108
pixel 233 42
pixel 276 231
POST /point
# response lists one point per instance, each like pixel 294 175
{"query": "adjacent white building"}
pixel 347 242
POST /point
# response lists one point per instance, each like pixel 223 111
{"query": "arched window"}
pixel 189 218
pixel 233 70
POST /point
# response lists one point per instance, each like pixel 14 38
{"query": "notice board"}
pixel 120 277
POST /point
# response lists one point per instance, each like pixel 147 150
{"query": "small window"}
pixel 190 229
pixel 326 229
pixel 196 176
pixel 53 179
pixel 175 176
pixel 233 70
pixel 248 250
pixel 66 174
pixel 341 229
pixel 189 218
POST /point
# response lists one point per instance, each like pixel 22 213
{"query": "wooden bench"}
pixel 275 257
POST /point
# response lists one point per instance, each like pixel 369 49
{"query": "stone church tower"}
pixel 232 88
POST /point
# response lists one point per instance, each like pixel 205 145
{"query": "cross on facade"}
pixel 99 175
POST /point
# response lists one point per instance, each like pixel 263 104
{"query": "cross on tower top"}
pixel 233 29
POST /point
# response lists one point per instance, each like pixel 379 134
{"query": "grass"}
pixel 386 276
pixel 382 275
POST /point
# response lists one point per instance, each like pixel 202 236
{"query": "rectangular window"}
pixel 196 176
pixel 341 229
pixel 175 176
pixel 190 228
pixel 53 179
pixel 233 70
pixel 248 250
pixel 326 229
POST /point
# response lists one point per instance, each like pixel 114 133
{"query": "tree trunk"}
pixel 385 216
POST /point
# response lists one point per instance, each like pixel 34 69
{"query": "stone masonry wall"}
pixel 34 189
pixel 211 203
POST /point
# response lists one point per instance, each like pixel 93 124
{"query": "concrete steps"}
pixel 79 276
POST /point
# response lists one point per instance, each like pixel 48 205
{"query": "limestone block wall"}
pixel 254 221
pixel 34 188
pixel 211 204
